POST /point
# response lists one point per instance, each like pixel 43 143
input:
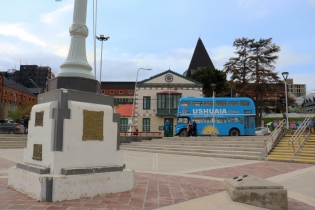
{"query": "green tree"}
pixel 18 114
pixel 253 70
pixel 240 67
pixel 209 75
pixel 263 75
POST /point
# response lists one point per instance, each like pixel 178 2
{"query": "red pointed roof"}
pixel 124 110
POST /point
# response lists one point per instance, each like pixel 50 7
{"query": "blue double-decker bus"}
pixel 228 116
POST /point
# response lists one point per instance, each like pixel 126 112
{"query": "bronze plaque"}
pixel 37 152
pixel 93 125
pixel 39 118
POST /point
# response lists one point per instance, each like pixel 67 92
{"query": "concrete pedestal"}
pixel 72 149
pixel 48 187
pixel 256 191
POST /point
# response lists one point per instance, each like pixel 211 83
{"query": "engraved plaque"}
pixel 39 118
pixel 93 125
pixel 37 152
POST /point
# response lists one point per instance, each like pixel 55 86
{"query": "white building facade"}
pixel 157 99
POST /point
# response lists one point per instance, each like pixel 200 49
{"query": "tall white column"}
pixel 76 64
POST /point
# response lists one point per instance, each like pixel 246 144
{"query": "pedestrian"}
pixel 167 128
pixel 194 128
pixel 189 129
pixel 25 124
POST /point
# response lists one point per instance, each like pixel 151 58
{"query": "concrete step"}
pixel 13 142
pixel 198 150
pixel 300 160
pixel 13 139
pixel 196 144
pixel 307 149
pixel 228 147
pixel 223 138
pixel 210 147
pixel 306 155
pixel 12 146
pixel 287 155
pixel 249 157
pixel 278 159
pixel 282 151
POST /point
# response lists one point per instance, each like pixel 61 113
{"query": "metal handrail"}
pixel 298 133
pixel 275 135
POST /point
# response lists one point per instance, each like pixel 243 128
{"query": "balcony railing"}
pixel 166 112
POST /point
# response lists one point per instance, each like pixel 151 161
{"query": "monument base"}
pixel 49 187
pixel 256 191
pixel 75 83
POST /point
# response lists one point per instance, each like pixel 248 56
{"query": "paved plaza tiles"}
pixel 165 181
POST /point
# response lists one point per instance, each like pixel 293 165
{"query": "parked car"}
pixel 261 131
pixel 11 128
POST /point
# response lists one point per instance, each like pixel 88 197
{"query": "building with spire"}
pixel 199 59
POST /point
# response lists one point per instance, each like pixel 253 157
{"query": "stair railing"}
pixel 274 137
pixel 296 137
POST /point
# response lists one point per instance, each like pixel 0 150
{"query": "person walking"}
pixel 25 124
pixel 167 128
pixel 189 129
pixel 194 129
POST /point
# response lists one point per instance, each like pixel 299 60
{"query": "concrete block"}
pixel 49 187
pixel 256 191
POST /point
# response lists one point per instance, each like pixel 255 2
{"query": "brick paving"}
pixel 151 190
pixel 263 169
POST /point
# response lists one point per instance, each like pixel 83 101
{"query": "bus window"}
pixel 232 103
pixel 198 120
pixel 221 120
pixel 244 103
pixel 207 103
pixel 207 120
pixel 184 103
pixel 220 103
pixel 182 120
pixel 196 103
pixel 234 120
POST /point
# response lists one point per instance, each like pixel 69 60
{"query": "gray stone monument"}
pixel 256 191
pixel 72 148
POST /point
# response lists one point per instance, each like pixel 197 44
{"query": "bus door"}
pixel 249 125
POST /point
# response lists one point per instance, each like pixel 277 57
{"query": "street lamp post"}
pixel 285 77
pixel 35 85
pixel 213 88
pixel 304 103
pixel 232 88
pixel 102 39
pixel 134 95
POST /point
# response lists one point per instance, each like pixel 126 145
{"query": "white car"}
pixel 261 131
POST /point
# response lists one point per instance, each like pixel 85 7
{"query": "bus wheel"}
pixel 183 133
pixel 234 132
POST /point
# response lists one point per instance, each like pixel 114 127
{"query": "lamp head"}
pixel 213 85
pixel 285 75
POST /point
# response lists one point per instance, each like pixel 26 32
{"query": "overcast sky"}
pixel 159 34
